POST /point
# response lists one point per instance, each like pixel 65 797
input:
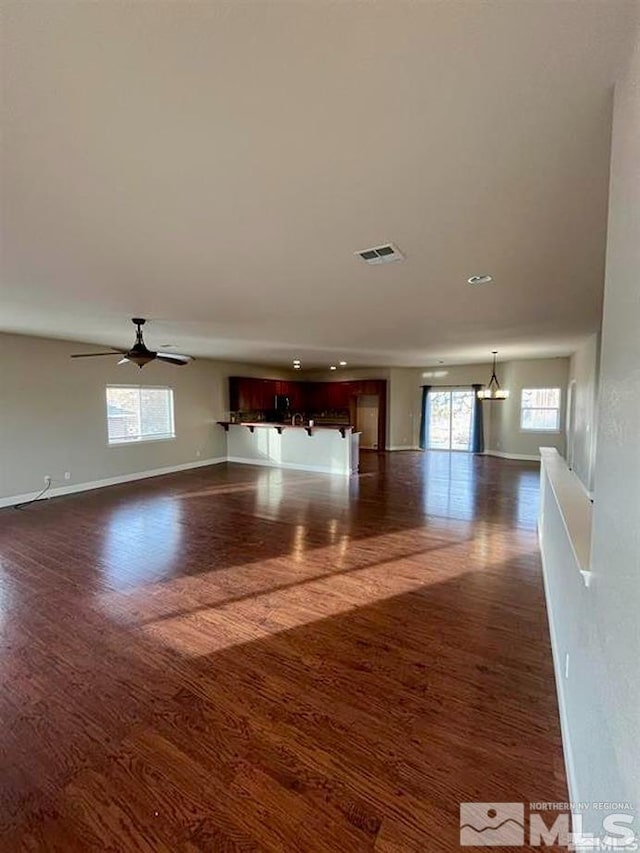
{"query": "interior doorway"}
pixel 450 418
pixel 367 412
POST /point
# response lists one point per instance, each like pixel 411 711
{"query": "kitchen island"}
pixel 325 449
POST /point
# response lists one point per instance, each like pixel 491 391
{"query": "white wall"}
pixel 599 626
pixel 612 758
pixel 581 433
pixel 54 418
pixel 325 451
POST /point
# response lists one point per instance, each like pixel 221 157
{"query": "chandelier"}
pixel 493 391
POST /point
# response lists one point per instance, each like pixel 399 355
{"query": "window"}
pixel 139 414
pixel 450 419
pixel 540 410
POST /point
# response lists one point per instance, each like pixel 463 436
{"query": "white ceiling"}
pixel 214 165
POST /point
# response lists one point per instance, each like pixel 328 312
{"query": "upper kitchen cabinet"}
pixel 247 394
pixel 295 392
pixel 339 394
pixel 327 396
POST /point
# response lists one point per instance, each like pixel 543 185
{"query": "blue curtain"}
pixel 424 420
pixel 477 436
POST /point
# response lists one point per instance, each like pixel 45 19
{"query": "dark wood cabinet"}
pixel 249 394
pixel 340 394
pixel 234 393
pixel 317 397
pixel 266 393
pixel 295 392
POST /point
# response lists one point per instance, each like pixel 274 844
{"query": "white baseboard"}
pixel 292 466
pixel 57 491
pixel 525 457
pixel 565 731
pixel 403 447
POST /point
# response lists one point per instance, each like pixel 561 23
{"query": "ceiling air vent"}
pixel 381 254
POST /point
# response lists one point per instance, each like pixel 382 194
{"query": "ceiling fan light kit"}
pixel 139 354
pixel 493 391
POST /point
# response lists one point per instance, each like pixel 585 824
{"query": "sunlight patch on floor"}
pixel 300 561
pixel 262 615
pixel 206 629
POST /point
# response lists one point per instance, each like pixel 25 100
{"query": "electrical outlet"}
pixel 67 475
pixel 198 453
pixel 47 479
pixel 566 665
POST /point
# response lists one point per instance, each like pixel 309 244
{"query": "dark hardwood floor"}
pixel 238 658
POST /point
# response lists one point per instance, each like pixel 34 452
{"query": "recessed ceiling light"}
pixel 333 367
pixel 480 279
pixel 342 363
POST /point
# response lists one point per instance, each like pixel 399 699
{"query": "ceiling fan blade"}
pixel 94 354
pixel 174 358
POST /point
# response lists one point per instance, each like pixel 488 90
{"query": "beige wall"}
pixel 53 413
pixel 501 420
pixel 581 427
pixel 404 409
pixel 53 410
pixel 404 393
pixel 505 434
pixel 457 374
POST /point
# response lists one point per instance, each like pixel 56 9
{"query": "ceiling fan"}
pixel 139 354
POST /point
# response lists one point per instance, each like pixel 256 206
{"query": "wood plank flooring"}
pixel 238 658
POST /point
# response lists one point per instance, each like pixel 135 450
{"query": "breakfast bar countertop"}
pixel 284 424
pixel 326 448
pixel 279 426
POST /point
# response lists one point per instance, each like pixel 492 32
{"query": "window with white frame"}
pixel 135 414
pixel 540 410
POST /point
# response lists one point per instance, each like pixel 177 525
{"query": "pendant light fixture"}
pixel 493 391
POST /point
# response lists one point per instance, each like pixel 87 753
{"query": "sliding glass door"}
pixel 450 419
